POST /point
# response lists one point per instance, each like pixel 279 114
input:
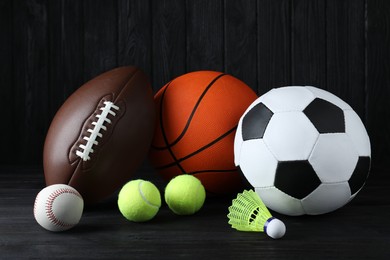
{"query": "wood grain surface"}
pixel 378 81
pixel 169 41
pixel 49 48
pixel 360 230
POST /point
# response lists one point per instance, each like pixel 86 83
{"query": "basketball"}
pixel 197 117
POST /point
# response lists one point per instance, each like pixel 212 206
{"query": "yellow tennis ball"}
pixel 139 200
pixel 185 194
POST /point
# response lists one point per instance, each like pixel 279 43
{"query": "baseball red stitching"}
pixel 49 206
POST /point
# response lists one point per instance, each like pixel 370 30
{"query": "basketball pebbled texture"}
pixel 197 117
pixel 101 134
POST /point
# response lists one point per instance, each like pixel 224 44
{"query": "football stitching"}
pixel 49 206
pixel 96 131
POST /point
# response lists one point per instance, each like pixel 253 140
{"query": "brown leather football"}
pixel 101 134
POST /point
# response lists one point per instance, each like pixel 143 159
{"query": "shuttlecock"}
pixel 248 213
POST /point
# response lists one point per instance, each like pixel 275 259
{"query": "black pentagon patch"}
pixel 255 122
pixel 360 174
pixel 325 116
pixel 296 178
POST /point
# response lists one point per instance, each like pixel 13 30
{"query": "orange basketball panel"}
pixel 219 156
pixel 179 101
pixel 219 111
pixel 204 145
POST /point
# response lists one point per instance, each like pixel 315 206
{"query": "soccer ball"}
pixel 304 150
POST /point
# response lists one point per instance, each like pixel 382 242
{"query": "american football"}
pixel 101 134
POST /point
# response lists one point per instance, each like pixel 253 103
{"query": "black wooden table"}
pixel 360 230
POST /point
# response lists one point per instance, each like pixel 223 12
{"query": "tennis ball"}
pixel 185 194
pixel 139 200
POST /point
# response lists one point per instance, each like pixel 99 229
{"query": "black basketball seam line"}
pixel 168 145
pixel 178 161
pixel 163 131
pixel 160 114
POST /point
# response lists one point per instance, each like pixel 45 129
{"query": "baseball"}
pixel 58 207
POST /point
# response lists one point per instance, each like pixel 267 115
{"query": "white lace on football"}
pixel 95 132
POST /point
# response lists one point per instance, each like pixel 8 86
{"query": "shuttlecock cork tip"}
pixel 274 228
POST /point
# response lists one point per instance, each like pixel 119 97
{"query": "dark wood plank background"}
pixel 359 230
pixel 49 48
